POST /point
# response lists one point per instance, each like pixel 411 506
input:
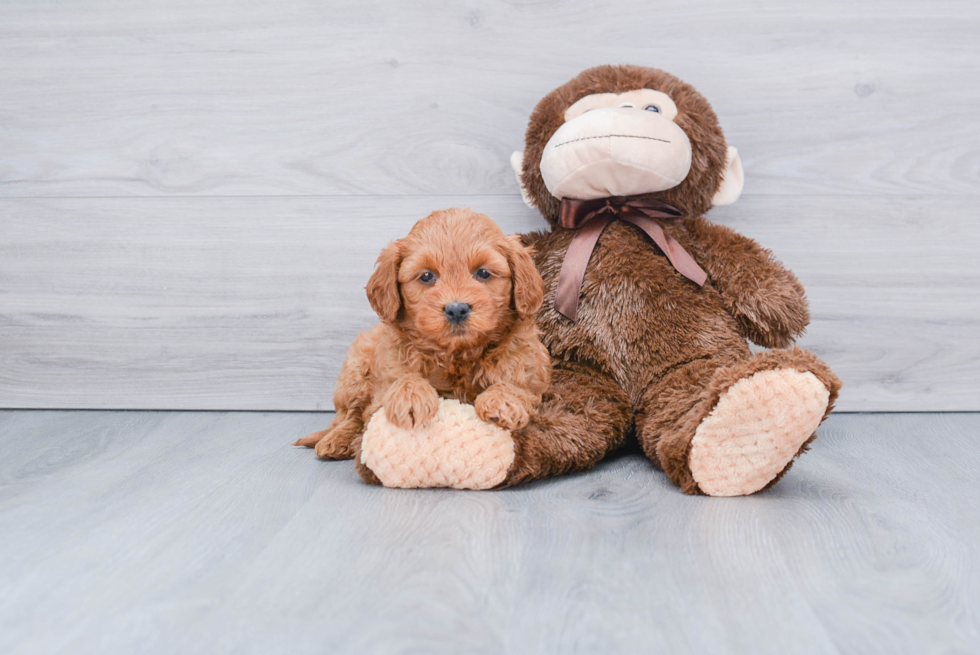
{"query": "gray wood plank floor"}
pixel 203 532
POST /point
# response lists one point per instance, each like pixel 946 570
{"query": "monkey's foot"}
pixel 757 427
pixel 454 449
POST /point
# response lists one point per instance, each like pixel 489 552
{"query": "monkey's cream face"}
pixel 612 144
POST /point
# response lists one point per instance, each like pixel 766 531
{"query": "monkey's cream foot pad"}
pixel 757 427
pixel 454 449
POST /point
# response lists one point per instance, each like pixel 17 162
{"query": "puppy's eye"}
pixel 652 108
pixel 483 274
pixel 427 277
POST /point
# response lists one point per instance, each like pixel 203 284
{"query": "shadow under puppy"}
pixel 457 300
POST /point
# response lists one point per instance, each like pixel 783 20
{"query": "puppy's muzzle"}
pixel 457 312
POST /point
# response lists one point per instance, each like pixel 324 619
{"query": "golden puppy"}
pixel 457 300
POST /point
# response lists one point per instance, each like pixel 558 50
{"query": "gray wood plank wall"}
pixel 192 194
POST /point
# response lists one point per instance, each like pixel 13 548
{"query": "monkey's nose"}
pixel 457 312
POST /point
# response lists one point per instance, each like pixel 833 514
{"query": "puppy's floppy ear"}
pixel 528 288
pixel 382 288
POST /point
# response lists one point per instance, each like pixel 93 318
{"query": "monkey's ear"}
pixel 382 288
pixel 732 180
pixel 517 163
pixel 528 287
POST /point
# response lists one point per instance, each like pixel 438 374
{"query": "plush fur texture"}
pixel 651 353
pixel 494 359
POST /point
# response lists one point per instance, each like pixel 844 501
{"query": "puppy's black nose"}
pixel 457 312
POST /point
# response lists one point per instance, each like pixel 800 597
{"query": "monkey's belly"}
pixel 639 317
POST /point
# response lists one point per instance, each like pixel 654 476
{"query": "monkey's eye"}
pixel 483 274
pixel 427 277
pixel 652 108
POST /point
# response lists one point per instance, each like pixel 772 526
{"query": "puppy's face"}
pixel 456 280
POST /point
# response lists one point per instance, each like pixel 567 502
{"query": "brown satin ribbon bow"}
pixel 590 218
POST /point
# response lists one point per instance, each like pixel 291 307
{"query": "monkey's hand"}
pixel 766 299
pixel 772 313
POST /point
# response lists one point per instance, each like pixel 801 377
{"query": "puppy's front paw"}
pixel 501 408
pixel 410 402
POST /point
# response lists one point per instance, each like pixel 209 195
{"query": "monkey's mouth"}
pixel 609 136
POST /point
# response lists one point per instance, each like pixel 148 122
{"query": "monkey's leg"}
pixel 733 427
pixel 584 415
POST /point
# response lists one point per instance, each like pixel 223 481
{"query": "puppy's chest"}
pixel 462 387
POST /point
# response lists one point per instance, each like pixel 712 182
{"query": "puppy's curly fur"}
pixel 494 359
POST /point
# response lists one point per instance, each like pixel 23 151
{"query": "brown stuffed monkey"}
pixel 648 305
pixel 648 343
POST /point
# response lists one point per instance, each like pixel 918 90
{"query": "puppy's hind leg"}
pixel 311 439
pixel 336 442
pixel 352 394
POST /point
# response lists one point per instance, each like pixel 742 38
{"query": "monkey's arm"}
pixel 766 299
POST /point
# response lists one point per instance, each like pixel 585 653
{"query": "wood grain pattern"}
pixel 250 303
pixel 192 194
pixel 205 532
pixel 368 98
